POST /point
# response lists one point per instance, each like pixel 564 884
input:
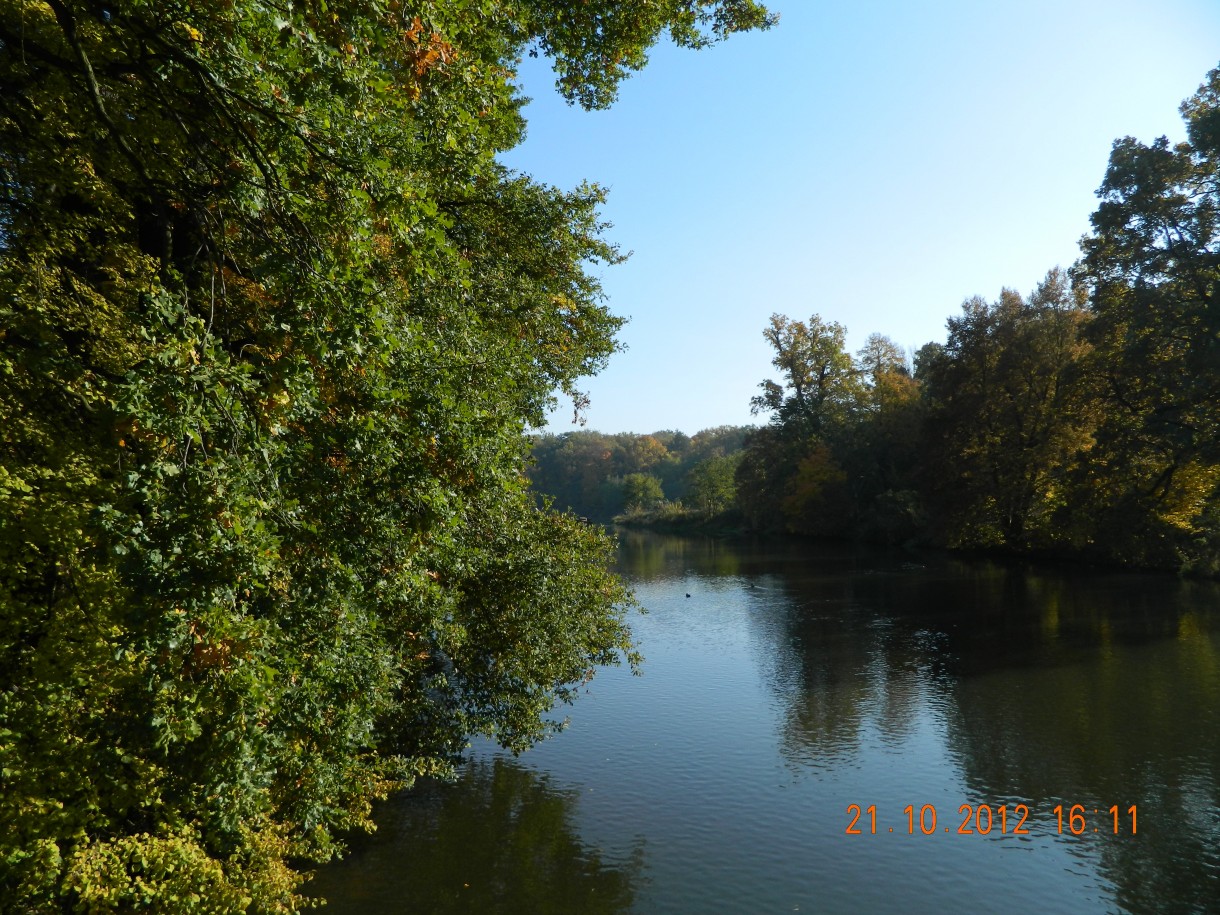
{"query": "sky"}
pixel 872 162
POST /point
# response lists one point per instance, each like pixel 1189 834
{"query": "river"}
pixel 1020 737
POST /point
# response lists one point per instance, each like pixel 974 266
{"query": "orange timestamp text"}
pixel 984 819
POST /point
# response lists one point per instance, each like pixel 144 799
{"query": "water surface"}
pixel 796 680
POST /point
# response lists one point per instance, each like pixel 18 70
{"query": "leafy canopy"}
pixel 273 321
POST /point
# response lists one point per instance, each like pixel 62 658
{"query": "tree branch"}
pixel 67 23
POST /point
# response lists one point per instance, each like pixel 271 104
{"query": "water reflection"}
pixel 786 681
pixel 1094 689
pixel 646 556
pixel 1132 725
pixel 499 840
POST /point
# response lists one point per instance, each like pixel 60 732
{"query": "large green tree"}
pixel 1152 266
pixel 273 321
pixel 820 386
pixel 713 484
pixel 1008 416
pixel 789 477
pixel 642 491
pixel 882 450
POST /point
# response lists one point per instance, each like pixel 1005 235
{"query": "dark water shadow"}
pixel 501 839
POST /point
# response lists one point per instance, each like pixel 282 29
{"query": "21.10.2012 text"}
pixel 984 819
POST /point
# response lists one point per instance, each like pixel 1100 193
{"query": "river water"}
pixel 785 682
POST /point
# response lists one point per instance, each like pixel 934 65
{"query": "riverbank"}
pixel 674 518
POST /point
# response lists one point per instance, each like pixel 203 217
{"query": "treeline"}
pixel 606 476
pixel 1082 419
pixel 979 442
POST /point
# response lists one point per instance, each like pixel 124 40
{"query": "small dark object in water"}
pixel 688 595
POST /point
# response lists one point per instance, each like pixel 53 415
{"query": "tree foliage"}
pixel 1152 269
pixel 642 491
pixel 830 412
pixel 821 384
pixel 1009 415
pixel 713 486
pixel 273 321
pixel 587 472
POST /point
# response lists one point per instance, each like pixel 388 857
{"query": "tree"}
pixel 718 440
pixel 641 453
pixel 767 464
pixel 573 469
pixel 788 478
pixel 642 491
pixel 1152 268
pixel 820 385
pixel 274 321
pixel 1008 416
pixel 882 451
pixel 880 356
pixel 816 499
pixel 712 483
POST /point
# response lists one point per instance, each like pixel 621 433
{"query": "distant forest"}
pixel 1082 419
pixel 631 476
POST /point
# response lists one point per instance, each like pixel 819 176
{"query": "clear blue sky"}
pixel 872 162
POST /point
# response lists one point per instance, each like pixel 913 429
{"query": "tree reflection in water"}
pixel 1053 686
pixel 501 839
